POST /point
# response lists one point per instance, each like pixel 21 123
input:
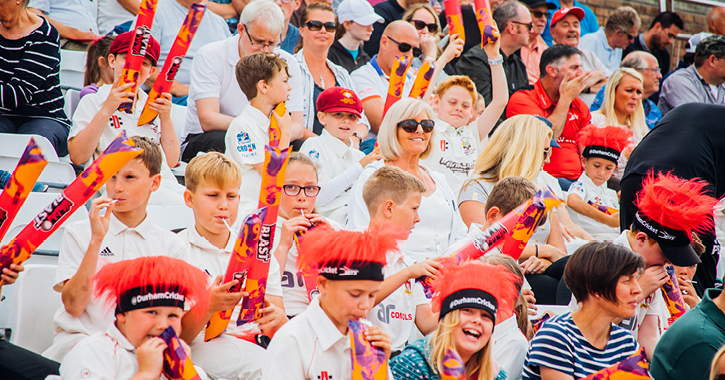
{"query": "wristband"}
pixel 354 134
pixel 495 61
pixel 429 59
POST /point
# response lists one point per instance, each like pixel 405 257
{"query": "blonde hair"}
pixel 390 182
pixel 636 123
pixel 515 149
pixel 403 109
pixel 213 168
pixel 443 337
pixel 520 305
pixel 713 366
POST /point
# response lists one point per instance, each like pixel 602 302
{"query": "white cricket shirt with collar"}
pixel 454 151
pixel 509 347
pixel 396 313
pixel 102 356
pixel 120 243
pixel 585 188
pixel 245 140
pixel 339 166
pixel 213 76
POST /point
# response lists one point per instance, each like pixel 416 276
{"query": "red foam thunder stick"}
pixel 397 81
pixel 21 182
pixel 529 219
pixel 177 363
pixel 484 17
pixel 173 60
pixel 368 362
pixel 119 152
pixel 634 367
pixel 137 50
pixel 673 296
pixel 454 19
pixel 422 80
pixel 238 268
pixel 603 208
pixel 519 219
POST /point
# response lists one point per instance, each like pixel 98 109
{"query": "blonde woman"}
pixel 404 139
pixel 464 325
pixel 622 106
pixel 717 368
pixel 425 21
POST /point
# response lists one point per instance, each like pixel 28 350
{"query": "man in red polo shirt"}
pixel 555 97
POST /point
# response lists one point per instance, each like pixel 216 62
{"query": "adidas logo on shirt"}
pixel 106 252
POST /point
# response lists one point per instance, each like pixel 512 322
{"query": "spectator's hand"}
pixel 9 275
pixel 379 338
pixel 613 220
pixel 453 50
pixel 272 318
pixel 652 279
pixel 371 157
pixel 429 45
pixel 530 300
pixel 566 233
pixel 427 267
pixel 569 89
pixel 219 297
pixel 99 224
pixel 437 8
pixel 533 265
pixel 119 94
pixel 688 292
pixel 493 50
pixel 291 226
pixel 150 356
pixel 284 122
pixel 548 252
pixel 162 105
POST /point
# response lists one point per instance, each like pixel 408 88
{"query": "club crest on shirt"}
pixel 324 376
pixel 467 147
pixel 315 155
pixel 444 145
pixel 245 144
pixel 408 287
pixel 115 122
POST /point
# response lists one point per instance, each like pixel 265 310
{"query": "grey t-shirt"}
pixel 475 191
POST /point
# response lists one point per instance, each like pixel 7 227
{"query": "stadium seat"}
pixel 72 69
pixel 178 117
pixel 72 97
pixel 13 145
pixel 170 217
pixel 57 174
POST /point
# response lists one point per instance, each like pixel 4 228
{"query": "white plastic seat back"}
pixel 59 174
pixel 72 97
pixel 178 117
pixel 13 145
pixel 72 69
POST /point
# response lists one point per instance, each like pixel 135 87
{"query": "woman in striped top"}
pixel 603 278
pixel 30 97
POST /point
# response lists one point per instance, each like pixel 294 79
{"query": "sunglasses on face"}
pixel 420 25
pixel 629 36
pixel 537 14
pixel 405 47
pixel 411 126
pixel 316 26
pixel 294 190
pixel 547 153
pixel 528 26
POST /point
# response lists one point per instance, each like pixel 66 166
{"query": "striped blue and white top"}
pixel 560 345
pixel 29 76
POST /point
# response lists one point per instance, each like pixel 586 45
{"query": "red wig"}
pixel 616 138
pixel 159 272
pixel 677 203
pixel 492 279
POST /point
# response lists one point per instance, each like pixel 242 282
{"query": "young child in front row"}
pixel 393 195
pixel 123 232
pixel 98 71
pixel 339 110
pixel 602 148
pixel 316 343
pixel 263 78
pixel 212 192
pixel 149 295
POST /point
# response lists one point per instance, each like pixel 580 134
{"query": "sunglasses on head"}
pixel 316 26
pixel 411 125
pixel 420 25
pixel 405 47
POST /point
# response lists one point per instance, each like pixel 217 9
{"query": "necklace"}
pixel 322 81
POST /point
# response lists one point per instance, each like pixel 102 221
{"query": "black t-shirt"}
pixel 690 142
pixel 390 11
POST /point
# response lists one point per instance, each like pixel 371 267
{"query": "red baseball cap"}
pixel 122 42
pixel 339 99
pixel 561 13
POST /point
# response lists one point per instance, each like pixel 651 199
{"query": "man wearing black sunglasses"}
pixel 609 42
pixel 372 80
pixel 531 53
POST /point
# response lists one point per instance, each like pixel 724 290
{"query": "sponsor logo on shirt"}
pixel 115 123
pixel 467 147
pixel 245 144
pixel 444 145
pixel 573 116
pixel 408 287
pixel 315 155
pixel 106 252
pixel 456 167
pixel 53 213
pixel 324 376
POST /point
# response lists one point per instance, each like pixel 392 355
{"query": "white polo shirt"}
pixel 308 347
pixel 104 355
pixel 454 151
pixel 120 243
pixel 338 168
pixel 396 313
pixel 509 347
pixel 212 76
pixel 371 82
pixel 245 140
pixel 585 188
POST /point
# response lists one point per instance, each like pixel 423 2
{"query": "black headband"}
pixel 599 151
pixel 150 296
pixel 469 299
pixel 660 233
pixel 354 270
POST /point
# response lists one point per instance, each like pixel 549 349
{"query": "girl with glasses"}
pixel 404 138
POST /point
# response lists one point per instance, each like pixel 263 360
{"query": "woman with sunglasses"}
pixel 404 138
pixel 317 33
pixel 296 216
pixel 425 21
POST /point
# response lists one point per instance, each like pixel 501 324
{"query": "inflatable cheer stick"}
pixel 603 208
pixel 634 367
pixel 673 296
pixel 489 34
pixel 238 268
pixel 529 219
pixel 454 19
pixel 422 80
pixel 275 134
pixel 119 152
pixel 368 362
pixel 177 364
pixel 397 81
pixel 137 50
pixel 21 182
pixel 173 60
pixel 453 368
